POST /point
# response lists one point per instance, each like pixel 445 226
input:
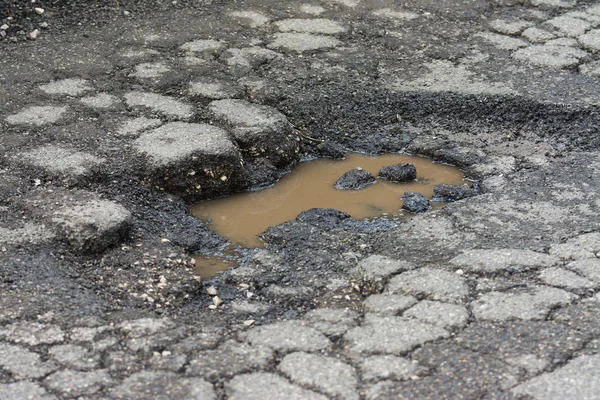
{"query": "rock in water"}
pixel 354 179
pixel 398 172
pixel 454 192
pixel 415 202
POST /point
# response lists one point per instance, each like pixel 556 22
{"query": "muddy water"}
pixel 242 217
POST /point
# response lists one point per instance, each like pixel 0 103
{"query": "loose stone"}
pixel 444 192
pixel 355 179
pixel 415 202
pixel 398 172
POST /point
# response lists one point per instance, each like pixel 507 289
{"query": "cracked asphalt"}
pixel 111 131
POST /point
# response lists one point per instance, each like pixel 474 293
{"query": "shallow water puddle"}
pixel 242 217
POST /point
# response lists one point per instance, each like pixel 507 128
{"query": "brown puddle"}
pixel 242 217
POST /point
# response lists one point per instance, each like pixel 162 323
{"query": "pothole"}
pixel 242 217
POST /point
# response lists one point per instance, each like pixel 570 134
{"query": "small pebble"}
pixel 217 301
pixel 249 322
pixel 4 27
pixel 126 13
pixel 460 271
pixel 211 290
pixel 39 10
pixel 212 307
pixel 44 25
pixel 34 35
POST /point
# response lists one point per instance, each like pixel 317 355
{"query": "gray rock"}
pixel 496 260
pixel 565 279
pixel 332 322
pixel 72 384
pixel 590 268
pixel 248 58
pixel 164 105
pixel 537 35
pixel 569 26
pixel 22 363
pixel 398 172
pixel 591 40
pixel 229 359
pixel 328 375
pixel 355 179
pixel 32 333
pixel 37 115
pixel 163 386
pixel 150 70
pixel 69 164
pixel 24 390
pixel 444 315
pixel 388 334
pixel 261 131
pixel 74 356
pixel 101 101
pixel 590 69
pixel 454 192
pixel 415 202
pixel 301 42
pixel 203 46
pixel 550 56
pixel 503 42
pixel 287 336
pixel 578 248
pixel 569 42
pixel 434 284
pixel 389 367
pixel 509 28
pixel 196 160
pixel 314 25
pixel 372 273
pixel 575 380
pixel 266 386
pixel 67 87
pixel 251 19
pixel 533 303
pixel 215 90
pixel 392 304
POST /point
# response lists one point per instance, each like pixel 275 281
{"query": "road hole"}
pixel 242 217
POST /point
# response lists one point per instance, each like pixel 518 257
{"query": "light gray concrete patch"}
pixel 326 374
pixel 591 40
pixel 158 103
pixel 74 356
pixel 215 90
pixel 229 359
pixel 510 27
pixel 389 367
pixel 24 390
pixel 253 19
pixel 163 386
pixel 550 56
pixel 373 272
pixel 590 268
pixel 203 45
pixel 576 380
pixel 29 233
pixel 496 260
pixel 73 384
pixel 315 25
pixel 395 14
pixel 32 333
pixel 301 42
pixel 590 69
pixel 67 87
pixel 312 9
pixel 388 303
pixel 22 363
pixel 578 248
pixel 537 35
pixel 176 141
pixel 134 126
pixel 332 322
pixel 287 336
pixel 66 162
pixel 444 315
pixel 139 53
pixel 101 101
pixel 37 115
pixel 150 70
pixel 593 10
pixel 568 42
pixel 435 284
pixel 569 26
pixel 267 386
pixel 503 42
pixel 141 327
pixel 249 57
pixel 388 334
pixel 535 304
pixel 565 279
